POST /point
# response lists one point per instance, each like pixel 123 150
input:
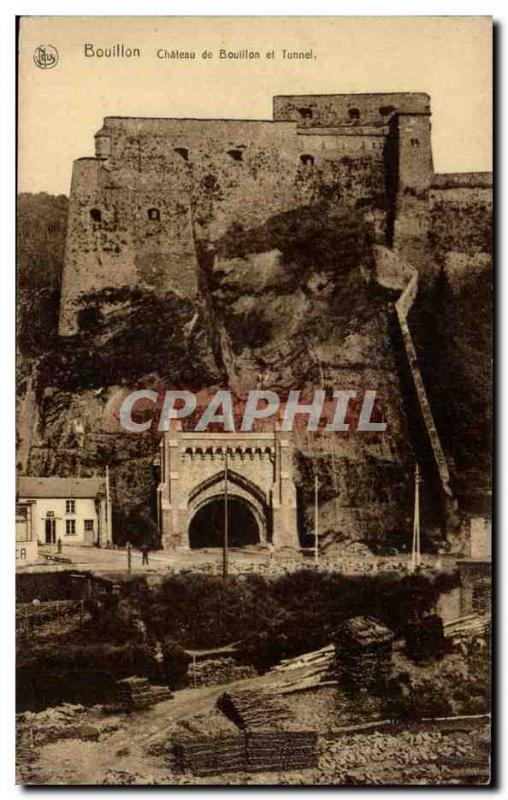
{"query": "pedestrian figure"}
pixel 59 546
pixel 144 553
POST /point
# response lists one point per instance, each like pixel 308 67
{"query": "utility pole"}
pixel 415 553
pixel 334 477
pixel 316 519
pixel 107 515
pixel 225 534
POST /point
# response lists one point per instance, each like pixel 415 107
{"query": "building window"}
pixel 154 214
pixel 386 110
pixel 88 525
pixel 96 215
pixel 236 155
pixel 354 113
pixel 307 159
pixel 70 527
pixel 415 143
pixel 70 506
pixel 183 152
pixel 305 113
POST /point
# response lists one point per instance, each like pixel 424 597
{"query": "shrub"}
pixel 45 586
pixel 81 673
pixel 283 616
pixel 410 700
pixel 175 662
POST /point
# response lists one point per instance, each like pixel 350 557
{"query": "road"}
pixel 241 561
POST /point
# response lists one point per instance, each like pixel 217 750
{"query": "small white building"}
pixel 75 510
pixel 26 544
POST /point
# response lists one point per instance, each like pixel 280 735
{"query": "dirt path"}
pixel 135 748
pixel 123 753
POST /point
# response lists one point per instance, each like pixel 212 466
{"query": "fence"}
pixel 29 616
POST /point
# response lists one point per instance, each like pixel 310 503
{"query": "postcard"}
pixel 254 401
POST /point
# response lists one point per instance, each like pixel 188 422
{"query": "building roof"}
pixel 54 486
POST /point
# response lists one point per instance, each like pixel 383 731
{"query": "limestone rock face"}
pixel 262 318
pixel 301 300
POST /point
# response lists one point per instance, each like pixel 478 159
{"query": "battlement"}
pixel 350 110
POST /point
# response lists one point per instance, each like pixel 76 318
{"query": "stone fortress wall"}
pixel 158 190
pixel 161 195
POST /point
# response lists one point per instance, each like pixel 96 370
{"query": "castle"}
pixel 160 191
pixel 151 210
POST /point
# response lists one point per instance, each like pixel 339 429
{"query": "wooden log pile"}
pixel 308 671
pixel 467 627
pixel 136 693
pixel 265 751
pixel 160 693
pixel 210 755
pixel 218 670
pixel 363 650
pixel 253 709
pixel 280 751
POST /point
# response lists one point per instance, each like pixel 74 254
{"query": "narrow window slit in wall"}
pixel 305 113
pixel 307 159
pixel 354 113
pixel 415 143
pixel 96 215
pixel 154 214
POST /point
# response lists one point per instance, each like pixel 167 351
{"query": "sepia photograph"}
pixel 254 357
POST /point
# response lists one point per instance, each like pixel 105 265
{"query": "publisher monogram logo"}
pixel 46 56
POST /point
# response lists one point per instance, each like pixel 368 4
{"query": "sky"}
pixel 60 109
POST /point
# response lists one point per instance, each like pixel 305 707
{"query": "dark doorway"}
pixel 207 525
pixel 50 531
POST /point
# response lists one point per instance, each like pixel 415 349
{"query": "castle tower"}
pixel 414 173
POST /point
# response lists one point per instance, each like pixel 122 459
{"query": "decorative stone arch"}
pixel 260 475
pixel 239 487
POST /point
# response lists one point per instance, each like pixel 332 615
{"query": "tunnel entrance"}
pixel 207 525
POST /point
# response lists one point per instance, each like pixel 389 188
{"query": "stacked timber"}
pixel 363 649
pixel 308 671
pixel 218 670
pixel 210 755
pixel 253 709
pixel 264 751
pixel 280 751
pixel 135 692
pixel 467 627
pixel 160 693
